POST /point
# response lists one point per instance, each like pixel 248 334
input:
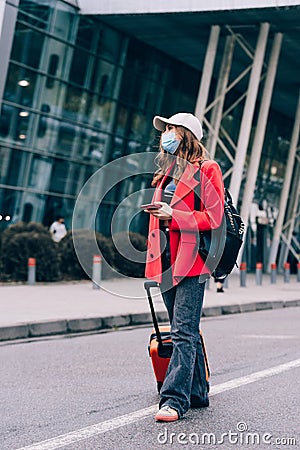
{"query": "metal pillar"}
pixel 292 216
pixel 8 18
pixel 207 71
pixel 220 95
pixel 2 8
pixel 286 185
pixel 260 131
pixel 246 123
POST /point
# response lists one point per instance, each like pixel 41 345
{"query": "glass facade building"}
pixel 78 93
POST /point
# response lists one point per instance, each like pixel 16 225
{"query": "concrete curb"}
pixel 57 327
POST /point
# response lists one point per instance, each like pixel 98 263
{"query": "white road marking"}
pixel 256 376
pixel 271 336
pixel 121 421
pixel 93 430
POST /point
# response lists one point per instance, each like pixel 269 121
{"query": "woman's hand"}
pixel 163 213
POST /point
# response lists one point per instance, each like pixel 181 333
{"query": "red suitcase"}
pixel 160 345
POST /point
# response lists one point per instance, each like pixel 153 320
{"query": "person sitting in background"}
pixel 58 229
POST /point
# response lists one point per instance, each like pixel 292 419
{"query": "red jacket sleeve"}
pixel 211 200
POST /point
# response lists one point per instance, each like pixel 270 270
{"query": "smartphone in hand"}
pixel 150 206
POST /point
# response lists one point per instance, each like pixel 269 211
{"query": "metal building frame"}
pixel 260 72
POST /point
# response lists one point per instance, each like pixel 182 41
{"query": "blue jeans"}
pixel 185 376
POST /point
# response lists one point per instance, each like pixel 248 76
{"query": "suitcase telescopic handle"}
pixel 148 285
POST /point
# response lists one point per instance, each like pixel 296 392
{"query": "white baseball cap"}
pixel 186 120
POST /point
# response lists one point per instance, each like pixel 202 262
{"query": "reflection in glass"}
pixel 79 66
pixel 65 16
pixel 10 205
pixel 14 123
pixel 27 46
pixel 109 44
pixel 17 161
pixel 59 175
pixel 52 69
pixel 20 85
pixel 35 13
pixel 40 173
pixel 75 99
pixel 86 29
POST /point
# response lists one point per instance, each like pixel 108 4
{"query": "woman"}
pixel 173 259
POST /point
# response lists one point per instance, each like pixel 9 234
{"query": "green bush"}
pixel 28 240
pixel 124 255
pixel 21 227
pixel 78 264
pixel 130 253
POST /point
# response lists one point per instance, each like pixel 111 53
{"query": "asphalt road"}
pixel 52 387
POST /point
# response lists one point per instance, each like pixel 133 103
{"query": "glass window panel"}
pixel 123 115
pixel 33 207
pixel 54 136
pixel 9 206
pixel 66 134
pixel 46 133
pixel 74 179
pixel 86 29
pixel 5 154
pixel 73 140
pixel 14 123
pixel 134 147
pixel 79 66
pixel 100 115
pixel 98 142
pixel 5 119
pixel 20 85
pixel 52 70
pixel 17 164
pixel 106 111
pixel 42 122
pixel 54 97
pixel 88 172
pixel 27 46
pixel 90 145
pixel 32 21
pixel 67 177
pixel 109 44
pixel 59 176
pixel 54 207
pixel 35 13
pixel 102 80
pixel 65 15
pixel 74 101
pixel 131 85
pixel 68 138
pixel 140 125
pixel 40 173
pixel 118 148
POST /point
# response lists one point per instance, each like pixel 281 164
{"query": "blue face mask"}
pixel 169 142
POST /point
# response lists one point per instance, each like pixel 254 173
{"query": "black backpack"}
pixel 219 248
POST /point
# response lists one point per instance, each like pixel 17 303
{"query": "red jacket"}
pixel 186 222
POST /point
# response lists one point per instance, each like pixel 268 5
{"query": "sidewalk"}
pixel 60 308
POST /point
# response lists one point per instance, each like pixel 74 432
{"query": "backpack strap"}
pixel 197 193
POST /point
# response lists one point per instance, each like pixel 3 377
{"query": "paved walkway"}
pixel 54 308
